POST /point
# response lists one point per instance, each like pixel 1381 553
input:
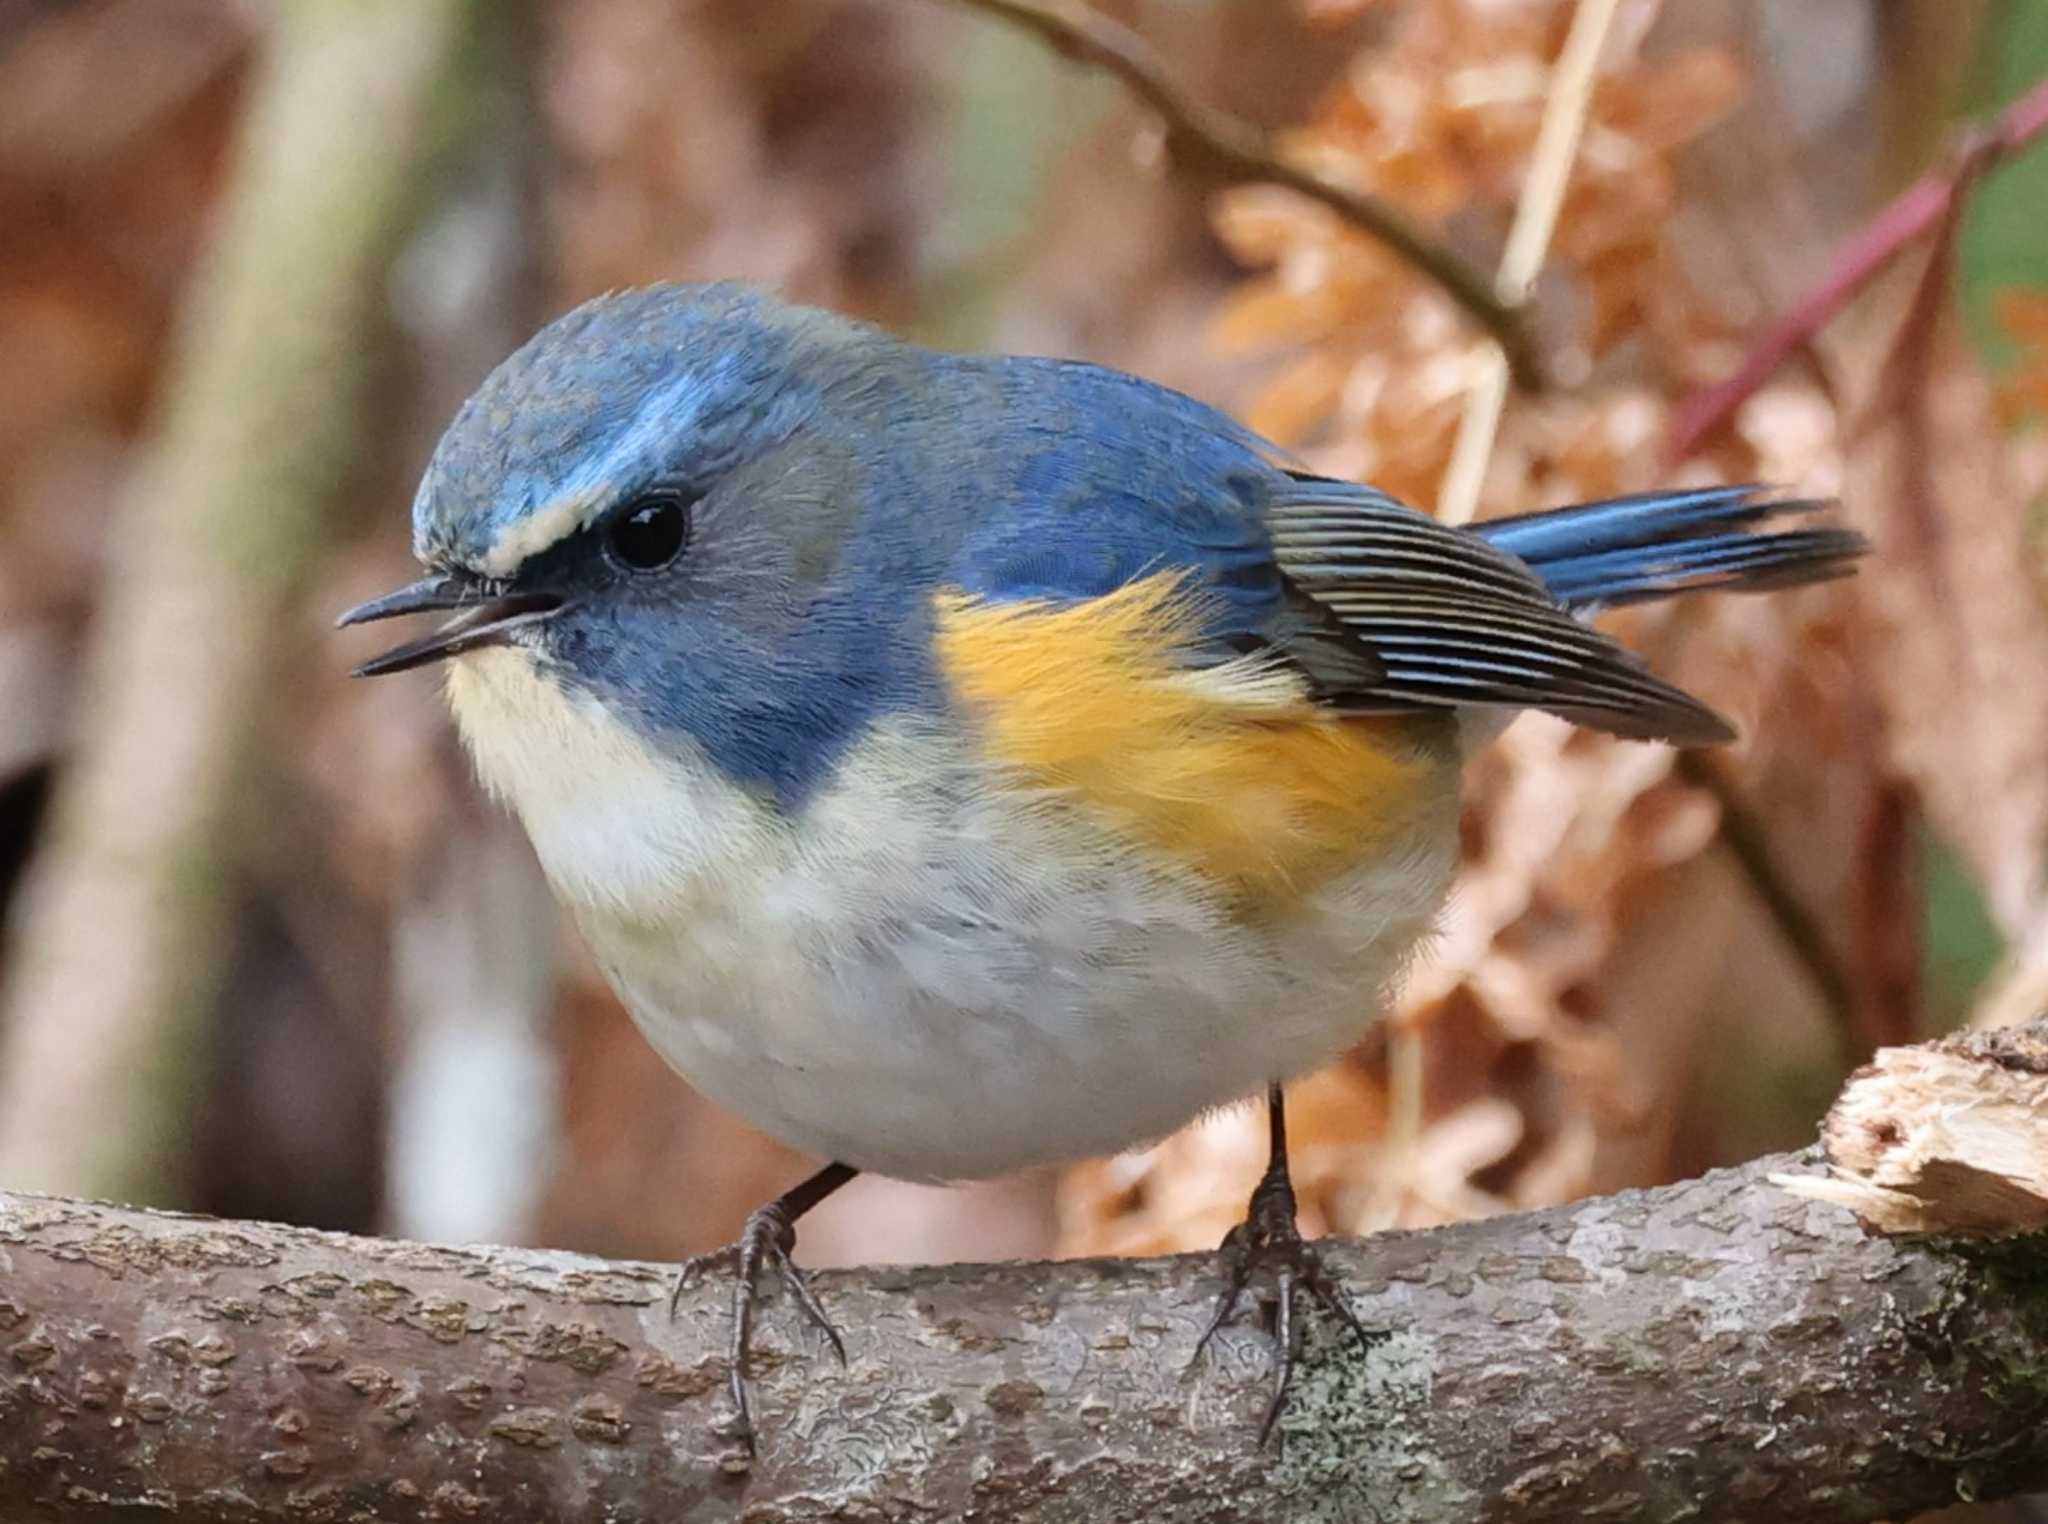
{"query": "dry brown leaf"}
pixel 1299 398
pixel 1950 609
pixel 2023 393
pixel 1665 105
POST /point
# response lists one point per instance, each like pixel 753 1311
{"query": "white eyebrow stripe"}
pixel 548 525
pixel 664 415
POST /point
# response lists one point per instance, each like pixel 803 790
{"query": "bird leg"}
pixel 765 1243
pixel 1269 1241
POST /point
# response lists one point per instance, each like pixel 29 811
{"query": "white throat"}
pixel 618 826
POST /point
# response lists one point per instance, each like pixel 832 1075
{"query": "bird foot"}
pixel 764 1245
pixel 1268 1245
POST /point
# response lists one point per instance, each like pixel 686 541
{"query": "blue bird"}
pixel 960 763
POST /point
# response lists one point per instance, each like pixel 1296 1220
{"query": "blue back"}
pixel 1098 478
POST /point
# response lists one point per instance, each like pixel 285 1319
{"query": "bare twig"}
pixel 1238 151
pixel 1914 212
pixel 1716 1350
pixel 1550 168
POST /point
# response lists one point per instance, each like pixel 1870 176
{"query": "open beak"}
pixel 482 619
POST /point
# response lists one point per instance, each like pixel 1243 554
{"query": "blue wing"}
pixel 1380 607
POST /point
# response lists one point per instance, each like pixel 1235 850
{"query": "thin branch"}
pixel 1536 213
pixel 1714 1351
pixel 1238 151
pixel 1866 254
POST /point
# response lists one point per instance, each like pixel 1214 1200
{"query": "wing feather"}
pixel 1451 621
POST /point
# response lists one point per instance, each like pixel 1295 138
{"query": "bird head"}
pixel 647 507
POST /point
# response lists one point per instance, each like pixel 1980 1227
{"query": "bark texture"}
pixel 1720 1349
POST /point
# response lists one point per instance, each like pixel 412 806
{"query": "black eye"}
pixel 650 532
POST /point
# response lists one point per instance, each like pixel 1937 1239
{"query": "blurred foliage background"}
pixel 269 954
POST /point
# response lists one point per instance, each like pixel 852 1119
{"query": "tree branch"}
pixel 1916 210
pixel 1943 1138
pixel 1237 151
pixel 1720 1349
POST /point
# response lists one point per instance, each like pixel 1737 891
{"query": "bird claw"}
pixel 764 1244
pixel 1269 1241
pixel 774 1253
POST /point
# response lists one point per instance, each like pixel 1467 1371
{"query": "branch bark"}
pixel 1719 1349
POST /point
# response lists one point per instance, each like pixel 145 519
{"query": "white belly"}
pixel 927 976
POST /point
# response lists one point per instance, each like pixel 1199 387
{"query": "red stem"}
pixel 1918 208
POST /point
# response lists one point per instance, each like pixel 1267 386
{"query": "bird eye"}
pixel 650 533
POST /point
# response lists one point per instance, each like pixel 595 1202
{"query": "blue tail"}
pixel 1660 544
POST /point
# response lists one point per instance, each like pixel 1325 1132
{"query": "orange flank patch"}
pixel 1231 769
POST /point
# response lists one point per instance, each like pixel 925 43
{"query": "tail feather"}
pixel 1660 544
pixel 1735 562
